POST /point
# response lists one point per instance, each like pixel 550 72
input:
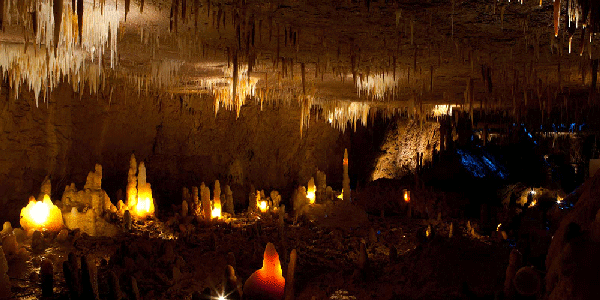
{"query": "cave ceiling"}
pixel 348 57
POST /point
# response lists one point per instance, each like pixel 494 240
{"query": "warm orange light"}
pixel 145 205
pixel 216 212
pixel 406 196
pixel 263 206
pixel 268 282
pixel 38 215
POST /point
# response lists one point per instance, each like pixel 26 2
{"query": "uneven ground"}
pixel 327 257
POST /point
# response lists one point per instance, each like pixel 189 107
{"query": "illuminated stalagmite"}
pixel 346 179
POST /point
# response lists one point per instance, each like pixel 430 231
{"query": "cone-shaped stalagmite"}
pixel 268 282
pixel 289 287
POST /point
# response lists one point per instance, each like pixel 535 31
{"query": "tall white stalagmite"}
pixel 346 180
pixel 132 183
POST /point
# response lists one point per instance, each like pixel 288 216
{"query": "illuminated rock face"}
pixel 268 282
pixel 401 148
pixel 84 209
pixel 38 215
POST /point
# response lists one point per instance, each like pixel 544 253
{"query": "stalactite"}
pixel 80 19
pixel 141 6
pixel 556 17
pixel 57 9
pixel 2 15
pixel 127 3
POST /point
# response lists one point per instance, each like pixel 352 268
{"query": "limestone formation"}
pixel 47 278
pixel 5 291
pixel 205 198
pixel 321 182
pixel 89 279
pixel 289 284
pixel 9 244
pixel 184 208
pixel 346 179
pixel 275 198
pixel 6 229
pixel 114 288
pixel 37 242
pixel 229 207
pixel 46 189
pixel 514 263
pixel 127 220
pixel 132 192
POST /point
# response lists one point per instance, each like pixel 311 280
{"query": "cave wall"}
pixel 400 148
pixel 181 140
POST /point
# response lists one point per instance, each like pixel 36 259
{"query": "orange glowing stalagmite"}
pixel 38 215
pixel 268 282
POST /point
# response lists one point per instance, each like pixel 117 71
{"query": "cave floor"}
pixel 438 267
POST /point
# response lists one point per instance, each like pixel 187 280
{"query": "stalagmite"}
pixel 114 286
pixel 132 192
pixel 89 279
pixel 289 286
pixel 205 198
pixel 184 209
pixel 311 191
pixel 346 179
pixel 127 221
pixel 195 200
pixel 216 211
pixel 47 278
pixel 268 282
pixel 514 264
pixel 229 207
pixel 363 258
pixel 5 291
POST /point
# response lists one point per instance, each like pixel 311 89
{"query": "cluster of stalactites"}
pixel 376 86
pixel 339 113
pixel 584 11
pixel 226 95
pixel 74 51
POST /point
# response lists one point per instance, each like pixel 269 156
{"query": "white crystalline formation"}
pixel 38 67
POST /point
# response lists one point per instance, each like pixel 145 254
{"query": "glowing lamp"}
pixel 311 197
pixel 406 196
pixel 145 205
pixel 38 215
pixel 268 282
pixel 216 212
pixel 263 206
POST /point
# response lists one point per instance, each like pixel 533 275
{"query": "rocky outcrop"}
pixel 402 145
pixel 573 260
